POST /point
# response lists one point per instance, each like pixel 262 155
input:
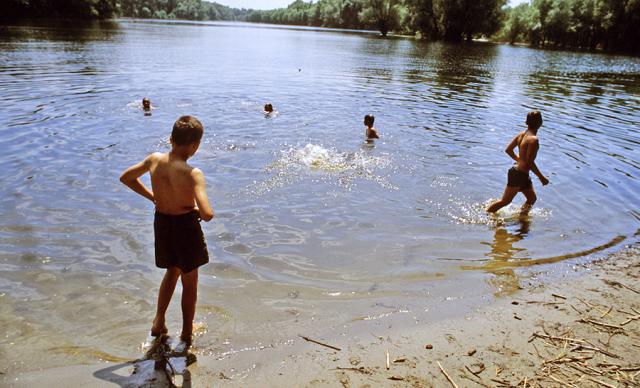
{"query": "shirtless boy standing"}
pixel 518 176
pixel 180 197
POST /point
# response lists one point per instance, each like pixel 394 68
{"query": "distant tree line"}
pixel 613 25
pixel 180 9
pixel 105 9
pixel 434 19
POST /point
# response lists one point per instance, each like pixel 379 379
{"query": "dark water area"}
pixel 314 226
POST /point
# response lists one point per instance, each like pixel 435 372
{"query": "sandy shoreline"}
pixel 582 328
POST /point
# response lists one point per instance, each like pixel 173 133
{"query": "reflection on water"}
pixel 315 228
pixel 504 249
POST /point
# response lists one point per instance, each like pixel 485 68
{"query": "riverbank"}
pixel 582 328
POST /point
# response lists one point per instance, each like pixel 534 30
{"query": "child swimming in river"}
pixel 180 197
pixel 146 104
pixel 370 132
pixel 268 108
pixel 518 179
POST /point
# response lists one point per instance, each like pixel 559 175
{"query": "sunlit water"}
pixel 315 228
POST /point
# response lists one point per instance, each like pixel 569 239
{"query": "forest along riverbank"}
pixel 583 328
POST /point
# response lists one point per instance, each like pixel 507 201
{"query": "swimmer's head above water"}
pixel 368 120
pixel 268 108
pixel 146 104
pixel 371 132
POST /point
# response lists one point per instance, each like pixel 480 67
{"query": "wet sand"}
pixel 581 327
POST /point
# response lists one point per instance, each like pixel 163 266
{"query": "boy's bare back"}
pixel 176 187
pixel 527 144
pixel 174 183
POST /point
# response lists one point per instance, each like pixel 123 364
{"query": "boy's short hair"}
pixel 369 119
pixel 268 108
pixel 187 130
pixel 534 119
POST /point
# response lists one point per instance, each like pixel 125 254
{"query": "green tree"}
pixel 422 18
pixel 382 14
pixel 466 19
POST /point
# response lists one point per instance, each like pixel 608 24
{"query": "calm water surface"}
pixel 314 228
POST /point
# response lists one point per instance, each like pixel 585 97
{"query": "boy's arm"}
pixel 531 162
pixel 542 178
pixel 511 146
pixel 131 178
pixel 200 188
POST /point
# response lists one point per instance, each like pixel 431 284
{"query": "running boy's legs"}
pixel 189 297
pixel 509 193
pixel 530 194
pixel 165 293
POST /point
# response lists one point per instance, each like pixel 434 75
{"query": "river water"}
pixel 315 228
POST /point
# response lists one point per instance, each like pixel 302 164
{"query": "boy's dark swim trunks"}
pixel 519 179
pixel 179 241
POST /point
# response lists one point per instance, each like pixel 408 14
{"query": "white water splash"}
pixel 326 164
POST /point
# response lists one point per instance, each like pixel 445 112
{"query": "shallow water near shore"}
pixel 315 228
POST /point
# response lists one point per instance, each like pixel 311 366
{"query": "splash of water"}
pixel 324 164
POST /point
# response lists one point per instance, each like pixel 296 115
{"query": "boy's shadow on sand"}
pixel 144 375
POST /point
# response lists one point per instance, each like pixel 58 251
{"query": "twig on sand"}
pixel 631 317
pixel 603 383
pixel 388 364
pixel 576 310
pixel 501 382
pixel 596 349
pixel 581 344
pixel 591 306
pixel 559 296
pixel 320 343
pixel 607 313
pixel 557 380
pixel 360 369
pixel 446 375
pixel 476 373
pixel 564 358
pixel 591 321
pixel 574 340
pixel 614 283
pixel 478 380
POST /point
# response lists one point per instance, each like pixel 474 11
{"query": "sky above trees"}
pixel 271 4
pixel 256 4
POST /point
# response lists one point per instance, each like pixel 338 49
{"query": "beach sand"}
pixel 581 327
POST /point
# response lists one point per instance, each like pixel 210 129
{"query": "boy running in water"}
pixel 518 176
